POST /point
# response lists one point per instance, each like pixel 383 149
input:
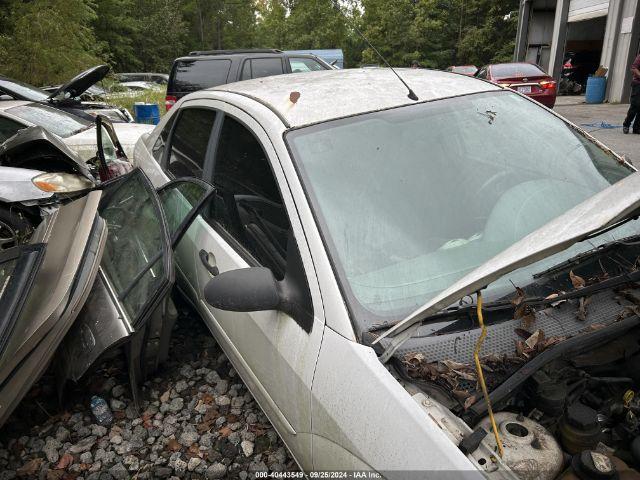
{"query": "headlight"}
pixel 61 182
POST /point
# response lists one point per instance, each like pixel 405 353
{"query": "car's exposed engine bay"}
pixel 562 372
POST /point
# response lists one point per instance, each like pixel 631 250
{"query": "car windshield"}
pixel 56 121
pixel 505 70
pixel 410 200
pixel 465 69
pixel 22 91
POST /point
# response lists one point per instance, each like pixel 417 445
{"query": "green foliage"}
pixel 49 41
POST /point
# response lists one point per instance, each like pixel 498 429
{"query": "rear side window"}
pixel 192 75
pixel 515 70
pixel 189 142
pixel 261 67
pixel 301 64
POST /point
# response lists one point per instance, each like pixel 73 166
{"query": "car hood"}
pixel 84 143
pixel 604 209
pixel 36 141
pixel 80 83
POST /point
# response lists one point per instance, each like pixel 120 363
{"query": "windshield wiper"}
pixel 594 252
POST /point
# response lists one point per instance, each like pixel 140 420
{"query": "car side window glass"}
pixel 158 147
pixel 247 203
pixel 304 65
pixel 246 70
pixel 264 67
pixel 8 128
pixel 189 142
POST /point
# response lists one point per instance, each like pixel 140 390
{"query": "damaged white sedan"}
pixel 354 234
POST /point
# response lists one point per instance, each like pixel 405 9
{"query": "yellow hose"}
pixel 483 385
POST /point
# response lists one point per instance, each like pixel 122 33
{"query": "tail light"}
pixel 548 85
pixel 169 101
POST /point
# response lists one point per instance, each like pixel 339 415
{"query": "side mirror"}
pixel 244 290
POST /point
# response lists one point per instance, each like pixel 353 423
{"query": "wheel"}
pixel 15 227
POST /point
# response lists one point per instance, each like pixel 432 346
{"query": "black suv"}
pixel 205 69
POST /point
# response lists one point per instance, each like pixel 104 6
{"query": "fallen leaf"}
pixel 164 398
pixel 534 339
pixel 576 280
pixel 30 468
pixel 65 461
pixel 207 398
pixel 173 445
pixel 225 432
pixel 582 308
pixel 193 451
pixel 594 326
pixel 469 401
pixel 519 298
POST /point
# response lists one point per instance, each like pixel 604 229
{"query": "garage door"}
pixel 586 9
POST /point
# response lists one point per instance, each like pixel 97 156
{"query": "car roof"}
pixel 331 94
pixel 240 54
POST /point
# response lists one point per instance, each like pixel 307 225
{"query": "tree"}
pixel 51 40
pixel 115 28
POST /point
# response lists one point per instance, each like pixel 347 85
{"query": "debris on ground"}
pixel 198 421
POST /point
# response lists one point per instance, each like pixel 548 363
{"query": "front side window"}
pixel 411 199
pixel 248 204
pixel 158 147
pixel 301 64
pixel 189 142
pixel 56 121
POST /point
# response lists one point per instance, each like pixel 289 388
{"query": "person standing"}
pixel 633 115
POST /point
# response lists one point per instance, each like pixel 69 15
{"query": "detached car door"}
pixel 43 285
pixel 127 302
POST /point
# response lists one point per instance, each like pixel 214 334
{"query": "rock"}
pixel 116 439
pixel 62 434
pixel 162 472
pixel 83 445
pixel 117 404
pixel 258 467
pixel 176 404
pixel 98 430
pixel 131 462
pixel 180 466
pixel 223 401
pixel 181 386
pixel 86 457
pixel 118 391
pixel 221 387
pixel 217 470
pixel 189 436
pixel 193 463
pixel 119 472
pixel 247 448
pixel 50 449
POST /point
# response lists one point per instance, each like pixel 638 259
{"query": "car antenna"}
pixel 411 94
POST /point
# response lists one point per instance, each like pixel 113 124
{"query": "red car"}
pixel 469 70
pixel 525 78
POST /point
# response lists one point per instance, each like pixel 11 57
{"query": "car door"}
pixel 251 221
pixel 42 287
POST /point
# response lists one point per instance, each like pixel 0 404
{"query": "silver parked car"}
pixel 343 260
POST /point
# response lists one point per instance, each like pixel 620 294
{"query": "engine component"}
pixel 579 428
pixel 549 392
pixel 590 465
pixel 529 449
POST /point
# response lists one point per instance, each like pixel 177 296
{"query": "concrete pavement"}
pixel 604 122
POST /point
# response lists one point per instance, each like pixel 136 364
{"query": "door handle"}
pixel 204 258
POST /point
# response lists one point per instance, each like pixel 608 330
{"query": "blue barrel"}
pixel 596 89
pixel 146 113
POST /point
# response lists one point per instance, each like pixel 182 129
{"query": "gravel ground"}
pixel 198 421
